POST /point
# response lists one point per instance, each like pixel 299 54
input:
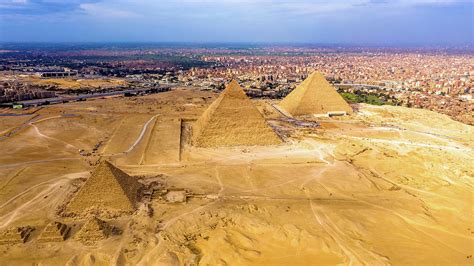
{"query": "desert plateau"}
pixel 118 181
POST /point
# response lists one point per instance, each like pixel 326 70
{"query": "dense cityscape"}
pixel 438 79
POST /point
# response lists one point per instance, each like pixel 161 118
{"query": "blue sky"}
pixel 378 22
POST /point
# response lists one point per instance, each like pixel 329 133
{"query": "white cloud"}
pixel 287 6
pixel 203 8
pixel 103 11
pixel 12 2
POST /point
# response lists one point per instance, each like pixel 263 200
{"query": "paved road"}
pixel 81 97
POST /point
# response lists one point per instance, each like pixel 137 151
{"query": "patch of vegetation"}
pixel 363 98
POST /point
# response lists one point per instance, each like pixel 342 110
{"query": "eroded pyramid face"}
pixel 314 96
pixel 94 230
pixel 54 232
pixel 108 189
pixel 233 120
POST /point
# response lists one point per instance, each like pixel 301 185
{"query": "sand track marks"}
pixel 42 198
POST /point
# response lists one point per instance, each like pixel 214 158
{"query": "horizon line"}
pixel 299 43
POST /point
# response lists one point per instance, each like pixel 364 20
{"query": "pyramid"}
pixel 54 232
pixel 108 189
pixel 233 120
pixel 16 235
pixel 94 230
pixel 314 96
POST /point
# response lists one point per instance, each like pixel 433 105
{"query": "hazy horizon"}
pixel 247 43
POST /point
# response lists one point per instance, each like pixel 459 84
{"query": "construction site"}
pixel 190 177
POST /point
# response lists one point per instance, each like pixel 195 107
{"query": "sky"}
pixel 369 22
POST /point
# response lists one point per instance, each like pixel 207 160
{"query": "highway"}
pixel 79 97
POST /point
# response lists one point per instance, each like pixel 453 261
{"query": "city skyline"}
pixel 365 22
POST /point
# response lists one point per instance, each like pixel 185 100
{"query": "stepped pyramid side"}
pixel 94 230
pixel 16 235
pixel 233 120
pixel 314 96
pixel 54 232
pixel 108 189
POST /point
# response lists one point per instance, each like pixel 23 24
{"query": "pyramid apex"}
pixel 315 95
pixel 109 189
pixel 106 162
pixel 94 230
pixel 233 89
pixel 233 120
pixel 94 220
pixel 54 232
pixel 317 74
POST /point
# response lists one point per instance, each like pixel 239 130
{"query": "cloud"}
pixel 40 7
pixel 126 8
pixel 281 7
pixel 321 21
pixel 103 11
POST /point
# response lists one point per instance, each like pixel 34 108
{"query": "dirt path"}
pixel 37 161
pixel 68 145
pixel 142 133
pixel 12 177
pixel 18 128
pixel 35 119
pixel 41 198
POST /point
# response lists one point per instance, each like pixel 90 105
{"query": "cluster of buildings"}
pixel 439 82
pixel 15 91
pixel 435 74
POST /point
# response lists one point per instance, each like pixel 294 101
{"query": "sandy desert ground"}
pixel 386 185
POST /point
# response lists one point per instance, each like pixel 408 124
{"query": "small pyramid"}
pixel 94 230
pixel 233 120
pixel 314 96
pixel 16 235
pixel 54 232
pixel 108 189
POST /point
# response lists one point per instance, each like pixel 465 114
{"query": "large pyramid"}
pixel 233 120
pixel 108 189
pixel 314 96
